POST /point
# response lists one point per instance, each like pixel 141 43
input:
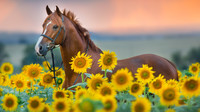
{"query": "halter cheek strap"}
pixel 53 40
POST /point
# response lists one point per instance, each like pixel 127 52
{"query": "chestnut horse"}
pixel 64 30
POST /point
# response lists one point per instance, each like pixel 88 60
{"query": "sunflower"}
pixel 20 83
pixel 172 82
pixel 81 63
pixel 59 93
pixel 108 60
pixel 95 82
pixel 12 79
pixel 35 104
pixel 61 105
pixel 145 74
pixel 78 88
pixel 60 73
pixel 47 108
pixel 47 79
pixel 181 101
pixel 4 80
pixel 122 79
pixel 33 71
pixel 179 74
pixel 170 110
pixel 191 87
pixel 46 65
pixel 106 89
pixel 10 102
pixel 169 95
pixel 136 88
pixel 141 105
pixel 109 104
pixel 85 105
pixel 69 94
pixel 80 93
pixel 157 84
pixel 1 92
pixel 194 69
pixel 60 82
pixel 29 84
pixel 7 68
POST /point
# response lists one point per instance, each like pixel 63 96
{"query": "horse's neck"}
pixel 69 50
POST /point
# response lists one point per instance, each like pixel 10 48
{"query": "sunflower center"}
pixel 9 102
pixel 139 107
pixel 169 94
pixel 45 109
pixel 107 60
pixel 194 69
pixel 34 104
pixel 135 88
pixel 108 105
pixel 58 73
pixel 96 83
pixel 59 81
pixel 106 91
pixel 87 106
pixel 6 68
pixel 19 84
pixel 121 79
pixel 34 73
pixel 47 79
pixel 60 106
pixel 80 62
pixel 145 75
pixel 60 94
pixel 191 85
pixel 157 84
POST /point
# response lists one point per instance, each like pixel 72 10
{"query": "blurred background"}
pixel 168 28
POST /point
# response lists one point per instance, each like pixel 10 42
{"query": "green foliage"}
pixel 31 56
pixel 182 62
pixel 3 54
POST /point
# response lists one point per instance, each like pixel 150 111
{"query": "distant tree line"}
pixel 3 54
pixel 182 62
pixel 31 56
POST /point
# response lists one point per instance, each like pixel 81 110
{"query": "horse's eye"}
pixel 55 27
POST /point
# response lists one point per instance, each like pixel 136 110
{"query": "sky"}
pixel 108 16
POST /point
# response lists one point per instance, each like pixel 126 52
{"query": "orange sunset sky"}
pixel 110 16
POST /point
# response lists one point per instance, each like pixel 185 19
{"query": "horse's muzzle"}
pixel 41 50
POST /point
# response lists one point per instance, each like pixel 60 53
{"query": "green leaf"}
pixel 88 75
pixel 78 84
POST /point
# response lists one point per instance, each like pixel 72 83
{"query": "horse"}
pixel 63 29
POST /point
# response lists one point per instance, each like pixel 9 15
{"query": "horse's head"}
pixel 53 32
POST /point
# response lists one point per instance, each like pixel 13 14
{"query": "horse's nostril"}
pixel 40 48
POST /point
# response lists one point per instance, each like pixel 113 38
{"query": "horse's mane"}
pixel 81 30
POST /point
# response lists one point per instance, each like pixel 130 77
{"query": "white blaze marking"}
pixel 40 39
pixel 46 27
pixel 37 44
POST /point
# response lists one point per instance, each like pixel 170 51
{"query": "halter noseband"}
pixel 53 40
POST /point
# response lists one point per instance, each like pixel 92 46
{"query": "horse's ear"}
pixel 48 10
pixel 64 11
pixel 58 11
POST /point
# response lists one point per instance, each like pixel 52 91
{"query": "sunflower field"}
pixel 34 89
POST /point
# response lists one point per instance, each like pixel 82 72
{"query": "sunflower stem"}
pixel 189 102
pixel 19 92
pixel 82 77
pixel 105 73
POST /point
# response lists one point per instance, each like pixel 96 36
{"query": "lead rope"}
pixel 52 55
